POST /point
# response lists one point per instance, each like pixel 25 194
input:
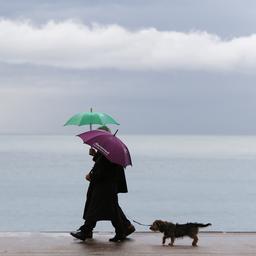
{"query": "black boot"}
pixel 81 235
pixel 117 238
pixel 130 229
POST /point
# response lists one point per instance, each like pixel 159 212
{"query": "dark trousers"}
pixel 119 222
pixel 125 221
pixel 89 225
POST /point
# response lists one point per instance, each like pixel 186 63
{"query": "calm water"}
pixel 177 178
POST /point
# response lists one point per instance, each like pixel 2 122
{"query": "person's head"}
pixel 104 128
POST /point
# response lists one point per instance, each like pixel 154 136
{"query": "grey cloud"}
pixel 226 18
pixel 143 102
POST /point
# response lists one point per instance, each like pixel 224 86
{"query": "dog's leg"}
pixel 172 241
pixel 164 238
pixel 194 243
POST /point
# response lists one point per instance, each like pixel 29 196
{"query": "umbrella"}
pixel 90 118
pixel 109 145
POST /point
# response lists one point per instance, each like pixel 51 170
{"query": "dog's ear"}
pixel 160 225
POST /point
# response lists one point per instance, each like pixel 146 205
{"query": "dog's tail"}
pixel 201 225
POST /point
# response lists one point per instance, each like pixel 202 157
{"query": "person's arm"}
pixel 93 153
pixel 101 171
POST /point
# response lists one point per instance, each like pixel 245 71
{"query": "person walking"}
pixel 106 179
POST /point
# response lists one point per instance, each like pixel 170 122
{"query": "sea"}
pixel 174 178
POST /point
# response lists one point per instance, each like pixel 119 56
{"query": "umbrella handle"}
pixel 90 123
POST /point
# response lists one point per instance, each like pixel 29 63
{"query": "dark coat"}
pixel 107 180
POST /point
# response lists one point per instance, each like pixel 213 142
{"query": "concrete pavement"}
pixel 139 244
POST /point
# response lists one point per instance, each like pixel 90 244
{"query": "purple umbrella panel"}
pixel 109 145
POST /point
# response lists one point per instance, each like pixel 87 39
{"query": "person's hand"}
pixel 92 152
pixel 88 177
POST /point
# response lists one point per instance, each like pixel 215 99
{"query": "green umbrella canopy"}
pixel 89 118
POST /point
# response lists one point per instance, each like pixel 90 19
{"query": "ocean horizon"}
pixel 178 178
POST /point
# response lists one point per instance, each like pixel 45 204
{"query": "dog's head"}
pixel 158 225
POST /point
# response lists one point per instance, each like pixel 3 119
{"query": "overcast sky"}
pixel 165 67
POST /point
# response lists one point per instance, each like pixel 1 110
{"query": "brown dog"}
pixel 173 231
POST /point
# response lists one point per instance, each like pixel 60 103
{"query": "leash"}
pixel 140 223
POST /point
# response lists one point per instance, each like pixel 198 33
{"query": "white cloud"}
pixel 71 44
